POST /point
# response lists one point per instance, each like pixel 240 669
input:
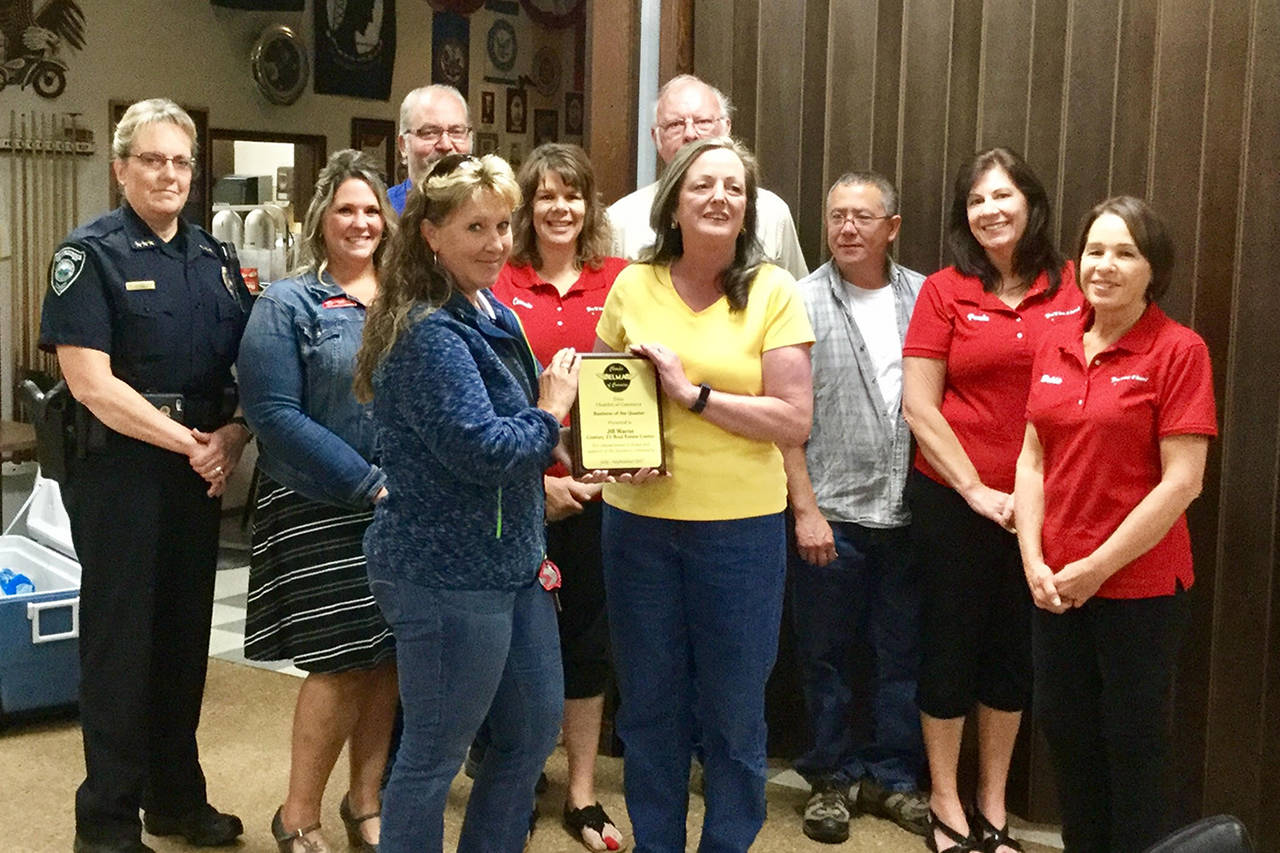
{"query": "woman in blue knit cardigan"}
pixel 467 425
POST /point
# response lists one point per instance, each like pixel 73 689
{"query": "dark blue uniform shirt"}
pixel 170 315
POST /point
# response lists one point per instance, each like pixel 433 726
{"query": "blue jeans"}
pixel 694 612
pixel 463 654
pixel 868 594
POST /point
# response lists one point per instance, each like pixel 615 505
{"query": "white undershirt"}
pixel 876 314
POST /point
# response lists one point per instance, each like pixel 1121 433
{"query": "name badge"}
pixel 140 285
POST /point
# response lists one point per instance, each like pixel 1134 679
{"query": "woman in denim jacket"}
pixel 467 425
pixel 309 596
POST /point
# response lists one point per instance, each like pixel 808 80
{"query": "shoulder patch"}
pixel 68 263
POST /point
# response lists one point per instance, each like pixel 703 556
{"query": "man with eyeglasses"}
pixel 434 121
pixel 689 109
pixel 852 583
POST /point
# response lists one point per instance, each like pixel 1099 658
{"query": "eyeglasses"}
pixel 450 163
pixel 431 134
pixel 860 218
pixel 702 125
pixel 154 161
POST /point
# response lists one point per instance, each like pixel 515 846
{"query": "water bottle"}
pixel 15 583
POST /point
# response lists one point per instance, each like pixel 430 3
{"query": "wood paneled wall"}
pixel 1174 100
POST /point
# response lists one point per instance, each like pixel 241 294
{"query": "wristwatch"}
pixel 701 403
pixel 238 419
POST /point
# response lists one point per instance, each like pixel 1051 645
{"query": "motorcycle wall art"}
pixel 30 40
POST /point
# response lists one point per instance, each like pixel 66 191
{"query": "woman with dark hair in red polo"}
pixel 556 283
pixel 966 367
pixel 1120 415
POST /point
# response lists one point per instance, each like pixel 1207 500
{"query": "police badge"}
pixel 68 262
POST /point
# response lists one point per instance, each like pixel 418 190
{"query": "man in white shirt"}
pixel 850 571
pixel 689 109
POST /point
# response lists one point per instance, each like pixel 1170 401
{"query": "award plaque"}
pixel 617 417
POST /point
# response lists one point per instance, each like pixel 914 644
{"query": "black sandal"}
pixel 592 817
pixel 963 843
pixel 993 839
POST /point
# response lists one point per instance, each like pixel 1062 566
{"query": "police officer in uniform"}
pixel 145 312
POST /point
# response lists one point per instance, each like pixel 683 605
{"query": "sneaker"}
pixel 908 809
pixel 826 815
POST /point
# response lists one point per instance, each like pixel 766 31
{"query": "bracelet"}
pixel 701 403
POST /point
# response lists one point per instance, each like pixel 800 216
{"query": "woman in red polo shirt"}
pixel 556 282
pixel 1120 415
pixel 966 368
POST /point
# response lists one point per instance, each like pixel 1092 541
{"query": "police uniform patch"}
pixel 68 263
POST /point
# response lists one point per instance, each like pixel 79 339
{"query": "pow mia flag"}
pixel 355 47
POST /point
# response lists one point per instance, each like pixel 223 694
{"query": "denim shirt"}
pixel 464 449
pixel 858 454
pixel 295 368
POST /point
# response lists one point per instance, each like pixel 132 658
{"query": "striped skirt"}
pixel 309 597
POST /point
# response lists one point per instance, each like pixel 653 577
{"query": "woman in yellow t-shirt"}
pixel 695 562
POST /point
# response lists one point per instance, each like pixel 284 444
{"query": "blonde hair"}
pixel 311 254
pixel 150 111
pixel 414 283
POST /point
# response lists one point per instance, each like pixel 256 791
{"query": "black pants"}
pixel 975 638
pixel 1103 674
pixel 573 544
pixel 147 538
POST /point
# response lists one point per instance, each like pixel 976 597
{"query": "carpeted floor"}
pixel 244 739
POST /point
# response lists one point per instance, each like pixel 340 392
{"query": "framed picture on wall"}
pixel 546 126
pixel 197 209
pixel 486 107
pixel 573 113
pixel 517 110
pixel 486 143
pixel 377 138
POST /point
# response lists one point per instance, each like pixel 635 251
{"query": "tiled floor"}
pixel 230 595
pixel 226 639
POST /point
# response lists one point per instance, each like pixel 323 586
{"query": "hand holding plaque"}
pixel 617 416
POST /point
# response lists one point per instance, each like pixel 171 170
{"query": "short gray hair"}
pixel 150 111
pixel 726 107
pixel 421 94
pixel 888 192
